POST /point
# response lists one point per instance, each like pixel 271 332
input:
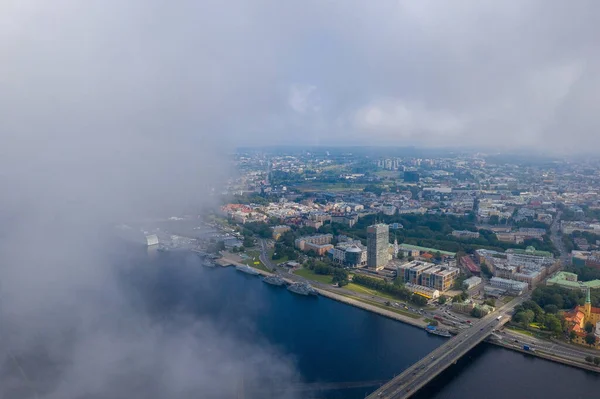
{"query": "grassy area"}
pixel 368 291
pixel 507 299
pixel 390 308
pixel 308 274
pixel 522 331
pixel 253 260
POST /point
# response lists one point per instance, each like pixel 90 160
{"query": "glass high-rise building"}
pixel 378 245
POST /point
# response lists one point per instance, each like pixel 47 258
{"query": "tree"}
pixel 525 317
pixel 490 302
pixel 590 339
pixel 220 246
pixel 552 309
pixel 248 242
pixel 477 312
pixel 589 327
pixel 418 300
pixel 434 323
pixel 572 335
pixel 589 359
pixel 486 270
pixel 553 324
pixel 596 360
pixel 442 299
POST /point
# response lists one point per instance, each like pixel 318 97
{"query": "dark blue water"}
pixel 332 342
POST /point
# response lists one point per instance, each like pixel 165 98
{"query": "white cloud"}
pixel 303 98
pixel 406 119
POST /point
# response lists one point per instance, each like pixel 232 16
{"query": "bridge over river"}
pixel 426 369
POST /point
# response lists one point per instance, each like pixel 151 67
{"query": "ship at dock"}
pixel 274 280
pixel 302 289
pixel 435 331
pixel 247 269
pixel 206 259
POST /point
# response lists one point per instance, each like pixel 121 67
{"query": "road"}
pixel 418 375
pixel 557 239
pixel 554 348
pixel 264 256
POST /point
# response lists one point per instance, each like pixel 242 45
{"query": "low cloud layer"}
pixel 118 110
pixel 511 74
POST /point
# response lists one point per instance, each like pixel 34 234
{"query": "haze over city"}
pixel 115 112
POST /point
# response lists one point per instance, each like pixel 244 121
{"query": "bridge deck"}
pixel 426 369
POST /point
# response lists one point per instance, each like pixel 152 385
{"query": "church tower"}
pixel 588 305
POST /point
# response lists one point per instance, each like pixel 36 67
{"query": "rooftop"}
pixel 425 249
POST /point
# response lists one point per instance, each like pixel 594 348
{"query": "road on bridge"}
pixel 423 371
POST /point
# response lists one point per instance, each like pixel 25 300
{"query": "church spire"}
pixel 588 305
pixel 587 296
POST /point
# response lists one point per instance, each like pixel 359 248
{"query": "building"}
pixel 467 262
pixel 439 277
pixel 378 240
pixel 465 234
pixel 586 258
pixel 569 281
pixel 428 275
pixel 511 286
pixel 349 254
pixel 429 293
pixel 529 257
pixel 319 244
pixel 580 316
pixel 348 219
pixel 319 239
pixel 279 230
pixel 411 272
pixel 411 176
pixel 472 282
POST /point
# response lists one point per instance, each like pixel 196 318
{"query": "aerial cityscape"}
pixel 468 247
pixel 339 199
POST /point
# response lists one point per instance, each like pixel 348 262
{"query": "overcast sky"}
pixel 111 109
pixel 499 73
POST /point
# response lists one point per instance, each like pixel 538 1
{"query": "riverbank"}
pixel 348 300
pixel 375 309
pixel 420 323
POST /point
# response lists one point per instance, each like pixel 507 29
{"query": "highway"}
pixel 558 349
pixel 423 371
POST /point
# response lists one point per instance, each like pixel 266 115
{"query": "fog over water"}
pixel 122 110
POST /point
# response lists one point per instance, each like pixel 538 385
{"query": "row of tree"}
pixel 396 290
pixel 595 360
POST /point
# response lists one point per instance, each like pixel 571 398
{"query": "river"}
pixel 332 342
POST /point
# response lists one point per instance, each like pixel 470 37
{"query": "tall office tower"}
pixel 378 244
